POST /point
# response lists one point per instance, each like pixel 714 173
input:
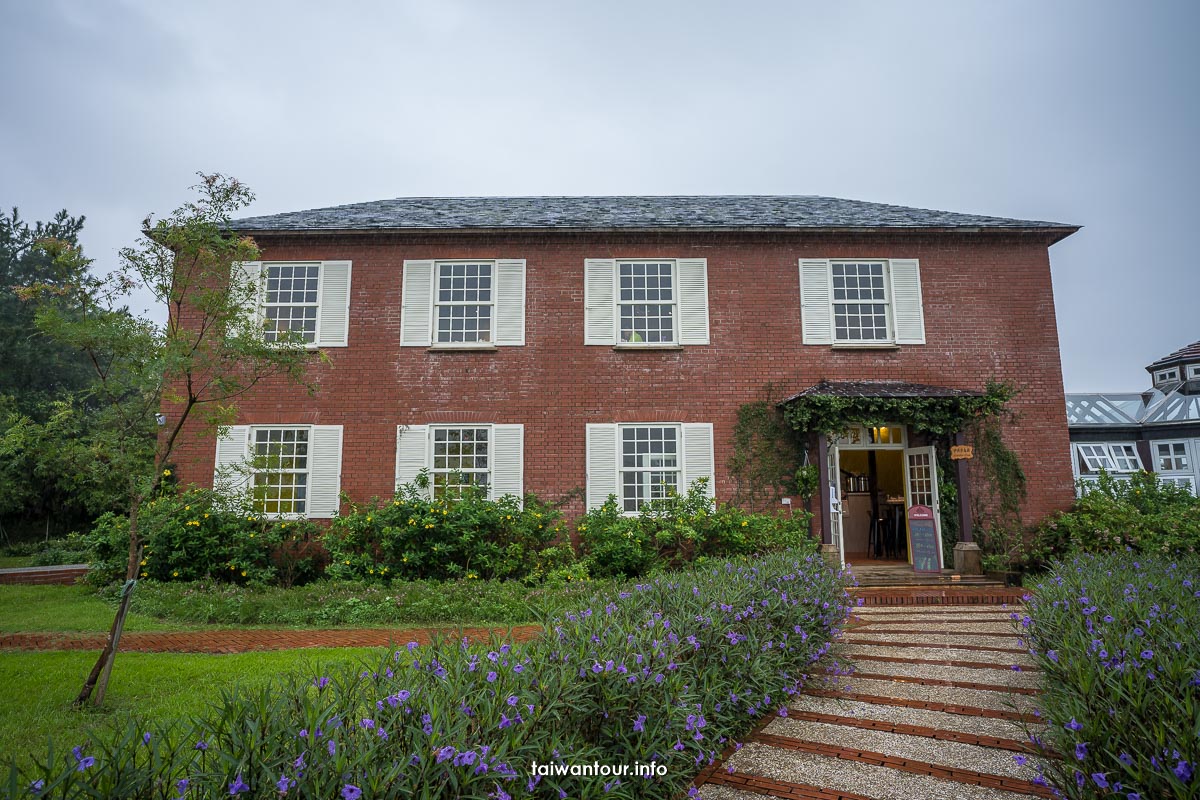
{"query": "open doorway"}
pixel 873 505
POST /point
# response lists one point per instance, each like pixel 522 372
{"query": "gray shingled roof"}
pixel 878 389
pixel 1183 354
pixel 743 212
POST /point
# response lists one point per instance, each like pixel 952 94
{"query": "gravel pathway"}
pixel 944 725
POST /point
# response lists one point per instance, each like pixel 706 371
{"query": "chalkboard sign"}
pixel 922 532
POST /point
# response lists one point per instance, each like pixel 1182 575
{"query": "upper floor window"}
pixel 1172 456
pixel 290 302
pixel 1193 371
pixel 306 302
pixel 464 302
pixel 860 302
pixel 469 303
pixel 864 302
pixel 646 302
pixel 1166 376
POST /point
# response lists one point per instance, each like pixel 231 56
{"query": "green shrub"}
pixel 412 537
pixel 1116 637
pixel 196 535
pixel 670 670
pixel 680 529
pixel 1143 514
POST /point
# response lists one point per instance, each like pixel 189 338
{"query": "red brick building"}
pixel 554 344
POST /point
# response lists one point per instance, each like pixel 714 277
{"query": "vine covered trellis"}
pixel 832 414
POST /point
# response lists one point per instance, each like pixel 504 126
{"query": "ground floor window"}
pixel 460 459
pixel 650 467
pixel 279 459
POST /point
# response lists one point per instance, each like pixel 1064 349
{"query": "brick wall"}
pixel 989 313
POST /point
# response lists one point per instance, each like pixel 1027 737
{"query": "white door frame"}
pixel 833 465
pixel 929 451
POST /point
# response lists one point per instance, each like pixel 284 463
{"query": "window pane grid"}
pixel 460 459
pixel 1096 458
pixel 920 480
pixel 647 302
pixel 464 302
pixel 650 467
pixel 290 302
pixel 281 471
pixel 1126 458
pixel 1172 457
pixel 860 302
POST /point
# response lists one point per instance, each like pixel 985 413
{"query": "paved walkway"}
pixel 928 706
pixel 242 641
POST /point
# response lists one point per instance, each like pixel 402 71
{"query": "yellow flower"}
pixel 175 574
pixel 444 512
pixel 166 473
pixel 187 508
pixel 206 516
pixel 143 562
pixel 583 527
pixel 745 523
pixel 405 559
pixel 252 536
pixel 369 519
pixel 509 516
pixel 243 573
pixel 471 576
pixel 347 563
pixel 144 574
pixel 371 570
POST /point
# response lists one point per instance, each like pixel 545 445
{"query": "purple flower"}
pixel 445 753
pixel 145 738
pixel 1183 771
pixel 1079 779
pixel 238 786
pixel 1052 655
pixel 36 787
pixel 284 783
pixel 639 724
pixel 1133 796
pixel 201 745
pixel 491 677
pixel 1073 725
pixel 1147 655
pixel 412 646
pixel 504 721
pixel 1100 780
pixel 1125 759
pixel 1021 760
pixel 351 792
pixel 518 668
pixel 332 747
pixel 1080 751
pixel 299 762
pixel 320 683
pixel 181 786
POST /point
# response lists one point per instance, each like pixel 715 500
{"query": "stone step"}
pixel 948 695
pixel 959 675
pixel 924 611
pixel 887 716
pixel 925 639
pixel 924 619
pixel 956 627
pixel 1003 658
pixel 877 781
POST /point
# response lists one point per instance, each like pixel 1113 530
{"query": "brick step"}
pixel 64 574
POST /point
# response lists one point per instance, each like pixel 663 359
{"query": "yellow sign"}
pixel 959 451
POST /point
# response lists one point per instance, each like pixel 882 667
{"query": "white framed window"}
pixel 1171 457
pixel 1182 481
pixel 460 458
pixel 1110 457
pixel 646 302
pixel 1193 371
pixel 281 470
pixel 300 301
pixel 862 302
pixel 650 468
pixel 465 303
pixel 644 461
pixel 1166 376
pixel 455 456
pixel 279 485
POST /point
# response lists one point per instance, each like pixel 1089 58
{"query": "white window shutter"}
pixel 599 301
pixel 416 304
pixel 907 313
pixel 508 461
pixel 698 455
pixel 230 475
pixel 601 464
pixel 510 301
pixel 246 279
pixel 816 301
pixel 333 324
pixel 412 452
pixel 693 300
pixel 325 471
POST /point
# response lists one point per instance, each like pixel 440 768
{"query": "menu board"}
pixel 923 534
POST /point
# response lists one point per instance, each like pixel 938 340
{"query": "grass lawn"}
pixel 36 689
pixel 12 562
pixel 66 608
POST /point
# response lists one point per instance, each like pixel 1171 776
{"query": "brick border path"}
pixel 244 641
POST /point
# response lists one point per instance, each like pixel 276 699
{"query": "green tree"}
pixel 192 369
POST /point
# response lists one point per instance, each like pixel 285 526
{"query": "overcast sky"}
pixel 1082 112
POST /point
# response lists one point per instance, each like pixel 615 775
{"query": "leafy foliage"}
pixel 1115 637
pixel 196 535
pixel 412 537
pixel 765 454
pixel 1142 513
pixel 670 670
pixel 680 529
pixel 937 415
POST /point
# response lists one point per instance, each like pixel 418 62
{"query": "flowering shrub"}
pixel 680 529
pixel 1117 638
pixel 192 536
pixel 1142 513
pixel 668 671
pixel 414 537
